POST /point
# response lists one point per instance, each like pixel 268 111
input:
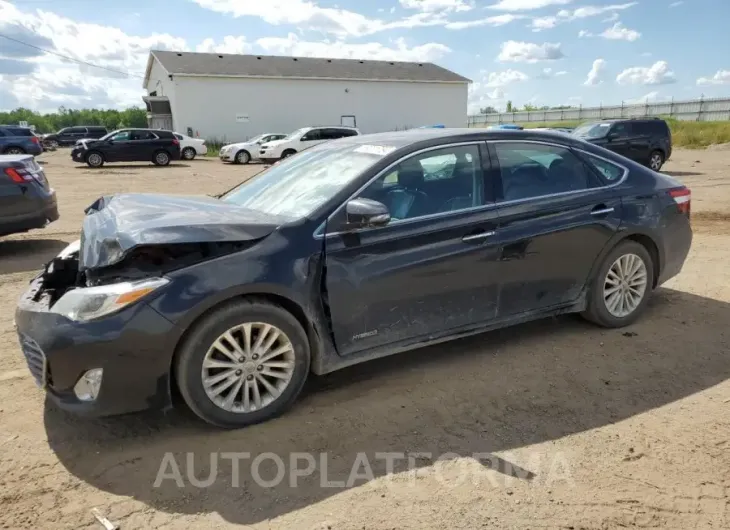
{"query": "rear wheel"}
pixel 288 153
pixel 656 160
pixel 94 159
pixel 14 151
pixel 188 153
pixel 243 157
pixel 161 158
pixel 620 290
pixel 245 363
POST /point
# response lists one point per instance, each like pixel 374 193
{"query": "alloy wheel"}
pixel 625 285
pixel 94 159
pixel 14 151
pixel 656 161
pixel 53 144
pixel 162 158
pixel 242 157
pixel 248 367
pixel 188 153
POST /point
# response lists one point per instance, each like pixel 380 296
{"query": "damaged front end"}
pixel 130 242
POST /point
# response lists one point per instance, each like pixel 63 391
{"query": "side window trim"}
pixel 488 204
pixel 496 171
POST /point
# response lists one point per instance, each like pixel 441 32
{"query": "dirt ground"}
pixel 554 424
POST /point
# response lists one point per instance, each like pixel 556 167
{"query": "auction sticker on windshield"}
pixel 380 150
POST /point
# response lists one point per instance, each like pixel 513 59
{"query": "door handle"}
pixel 602 211
pixel 477 237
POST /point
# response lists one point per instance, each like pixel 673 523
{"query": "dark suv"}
pixel 647 141
pixel 15 140
pixel 129 145
pixel 71 135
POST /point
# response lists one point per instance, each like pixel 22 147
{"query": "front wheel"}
pixel 188 153
pixel 243 157
pixel 94 159
pixel 656 160
pixel 161 158
pixel 245 363
pixel 621 289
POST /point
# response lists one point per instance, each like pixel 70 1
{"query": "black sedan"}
pixel 26 199
pixel 352 250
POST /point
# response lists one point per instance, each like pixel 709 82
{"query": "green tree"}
pixel 488 110
pixel 52 122
pixel 510 108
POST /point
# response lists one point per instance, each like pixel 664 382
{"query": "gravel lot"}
pixel 554 424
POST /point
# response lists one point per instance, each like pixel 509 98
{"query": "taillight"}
pixel 682 198
pixel 175 141
pixel 20 176
pixel 35 140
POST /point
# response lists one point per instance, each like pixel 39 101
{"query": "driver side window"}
pixel 122 136
pixel 437 181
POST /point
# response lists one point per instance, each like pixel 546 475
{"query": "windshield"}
pixel 109 135
pixel 296 133
pixel 300 184
pixel 256 139
pixel 592 130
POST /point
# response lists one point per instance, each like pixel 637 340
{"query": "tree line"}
pixel 514 108
pixel 52 122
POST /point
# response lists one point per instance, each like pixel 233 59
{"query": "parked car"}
pixel 244 152
pixel 71 135
pixel 15 140
pixel 26 199
pixel 302 139
pixel 129 145
pixel 647 141
pixel 191 147
pixel 352 250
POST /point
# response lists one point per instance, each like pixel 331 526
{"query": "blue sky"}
pixel 542 52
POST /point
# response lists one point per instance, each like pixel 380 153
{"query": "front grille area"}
pixel 35 358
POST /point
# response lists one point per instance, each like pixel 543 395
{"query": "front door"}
pixel 118 147
pixel 431 269
pixel 619 139
pixel 556 214
pixel 310 138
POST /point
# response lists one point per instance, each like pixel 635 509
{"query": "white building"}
pixel 235 97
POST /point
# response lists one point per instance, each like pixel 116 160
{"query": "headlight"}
pixel 89 303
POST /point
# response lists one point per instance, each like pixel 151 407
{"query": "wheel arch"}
pixel 13 146
pixel 242 150
pixel 286 302
pixel 644 239
pixel 98 152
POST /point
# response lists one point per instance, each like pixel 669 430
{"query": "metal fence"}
pixel 717 109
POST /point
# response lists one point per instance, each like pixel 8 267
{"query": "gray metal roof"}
pixel 214 64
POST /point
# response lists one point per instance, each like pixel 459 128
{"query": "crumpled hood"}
pixel 115 224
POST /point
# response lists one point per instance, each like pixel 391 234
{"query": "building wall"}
pixel 160 82
pixel 234 109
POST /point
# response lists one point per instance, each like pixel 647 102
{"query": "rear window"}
pixel 143 135
pixel 164 134
pixel 18 131
pixel 653 127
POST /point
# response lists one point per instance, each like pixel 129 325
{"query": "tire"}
pixel 94 159
pixel 189 153
pixel 599 309
pixel 161 158
pixel 14 151
pixel 189 364
pixel 656 160
pixel 242 157
pixel 288 153
pixel 53 144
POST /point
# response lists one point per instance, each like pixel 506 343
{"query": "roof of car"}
pixel 400 139
pixel 215 64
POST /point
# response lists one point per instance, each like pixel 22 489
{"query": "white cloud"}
pixel 529 52
pixel 582 33
pixel 651 97
pixel 721 77
pixel 480 96
pixel 436 5
pixel 498 20
pixel 656 74
pixel 548 73
pixel 292 45
pixel 502 79
pixel 230 44
pixel 567 15
pixel 619 32
pixel 611 18
pixel 676 4
pixel 594 76
pixel 526 5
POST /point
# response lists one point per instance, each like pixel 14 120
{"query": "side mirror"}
pixel 363 213
pixel 612 136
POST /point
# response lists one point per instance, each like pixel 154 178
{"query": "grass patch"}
pixel 686 134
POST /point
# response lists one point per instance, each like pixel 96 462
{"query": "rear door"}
pixel 619 139
pixel 143 145
pixel 556 214
pixel 640 141
pixel 311 138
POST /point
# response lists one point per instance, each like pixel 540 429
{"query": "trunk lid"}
pixel 116 224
